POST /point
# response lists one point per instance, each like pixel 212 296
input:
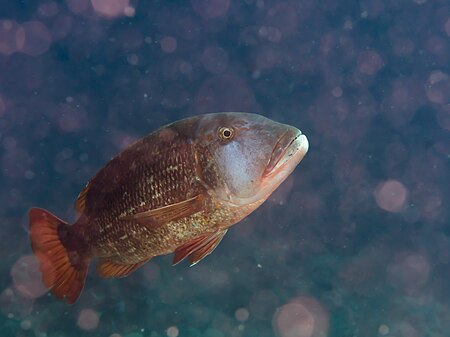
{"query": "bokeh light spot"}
pixel 447 27
pixel 172 331
pixel 210 9
pixel 391 195
pixel 443 116
pixel 27 277
pixel 409 271
pixel 369 62
pixel 110 8
pixel 242 314
pixel 25 324
pixel 78 6
pixel 88 319
pixel 37 38
pixel 168 44
pixel 438 87
pixel 302 317
pixel 11 37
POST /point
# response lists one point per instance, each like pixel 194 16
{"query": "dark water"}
pixel 355 243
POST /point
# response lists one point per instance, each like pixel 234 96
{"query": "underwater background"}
pixel 355 243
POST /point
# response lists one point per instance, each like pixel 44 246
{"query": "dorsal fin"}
pixel 80 203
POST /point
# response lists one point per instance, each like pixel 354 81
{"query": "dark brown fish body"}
pixel 178 189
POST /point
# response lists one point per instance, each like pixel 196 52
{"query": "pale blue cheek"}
pixel 237 167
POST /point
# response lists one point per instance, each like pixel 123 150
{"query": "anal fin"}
pixel 107 268
pixel 198 248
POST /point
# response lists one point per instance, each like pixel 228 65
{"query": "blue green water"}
pixel 355 243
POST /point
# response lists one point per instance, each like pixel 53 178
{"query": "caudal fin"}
pixel 62 266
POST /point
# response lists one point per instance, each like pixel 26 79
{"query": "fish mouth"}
pixel 287 153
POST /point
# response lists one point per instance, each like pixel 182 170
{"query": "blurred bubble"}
pixel 271 34
pixel 26 324
pixel 115 335
pixel 337 92
pixel 301 317
pixel 37 38
pixel 48 9
pixel 442 115
pixel 372 8
pixel 283 19
pixel 129 11
pixel 215 60
pixel 210 9
pixel 133 59
pixel 13 304
pixel 172 331
pixel 110 8
pixel 168 44
pixel 27 277
pixel 401 102
pixel 242 314
pixel 447 26
pixel 268 57
pixel 78 6
pixel 439 47
pixel 294 320
pixel 391 195
pixel 437 87
pixel 369 62
pixel 403 47
pixel 2 107
pixel 71 118
pixel 185 68
pixel 11 37
pixel 88 319
pixel 383 329
pixel 428 196
pixel 409 271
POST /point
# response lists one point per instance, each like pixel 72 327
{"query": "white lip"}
pixel 291 156
pixel 288 161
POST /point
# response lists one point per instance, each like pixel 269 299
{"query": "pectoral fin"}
pixel 168 213
pixel 198 248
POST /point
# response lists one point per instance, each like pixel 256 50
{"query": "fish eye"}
pixel 226 133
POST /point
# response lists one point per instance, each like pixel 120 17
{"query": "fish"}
pixel 177 190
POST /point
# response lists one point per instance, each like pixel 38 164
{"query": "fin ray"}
pixel 158 216
pixel 80 203
pixel 198 248
pixel 106 268
pixel 64 278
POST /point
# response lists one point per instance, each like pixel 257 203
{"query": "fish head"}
pixel 250 155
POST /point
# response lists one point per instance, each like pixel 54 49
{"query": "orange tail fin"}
pixel 62 266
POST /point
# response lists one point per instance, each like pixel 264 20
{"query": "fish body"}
pixel 178 190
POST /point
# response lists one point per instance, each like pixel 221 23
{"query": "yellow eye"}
pixel 226 133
